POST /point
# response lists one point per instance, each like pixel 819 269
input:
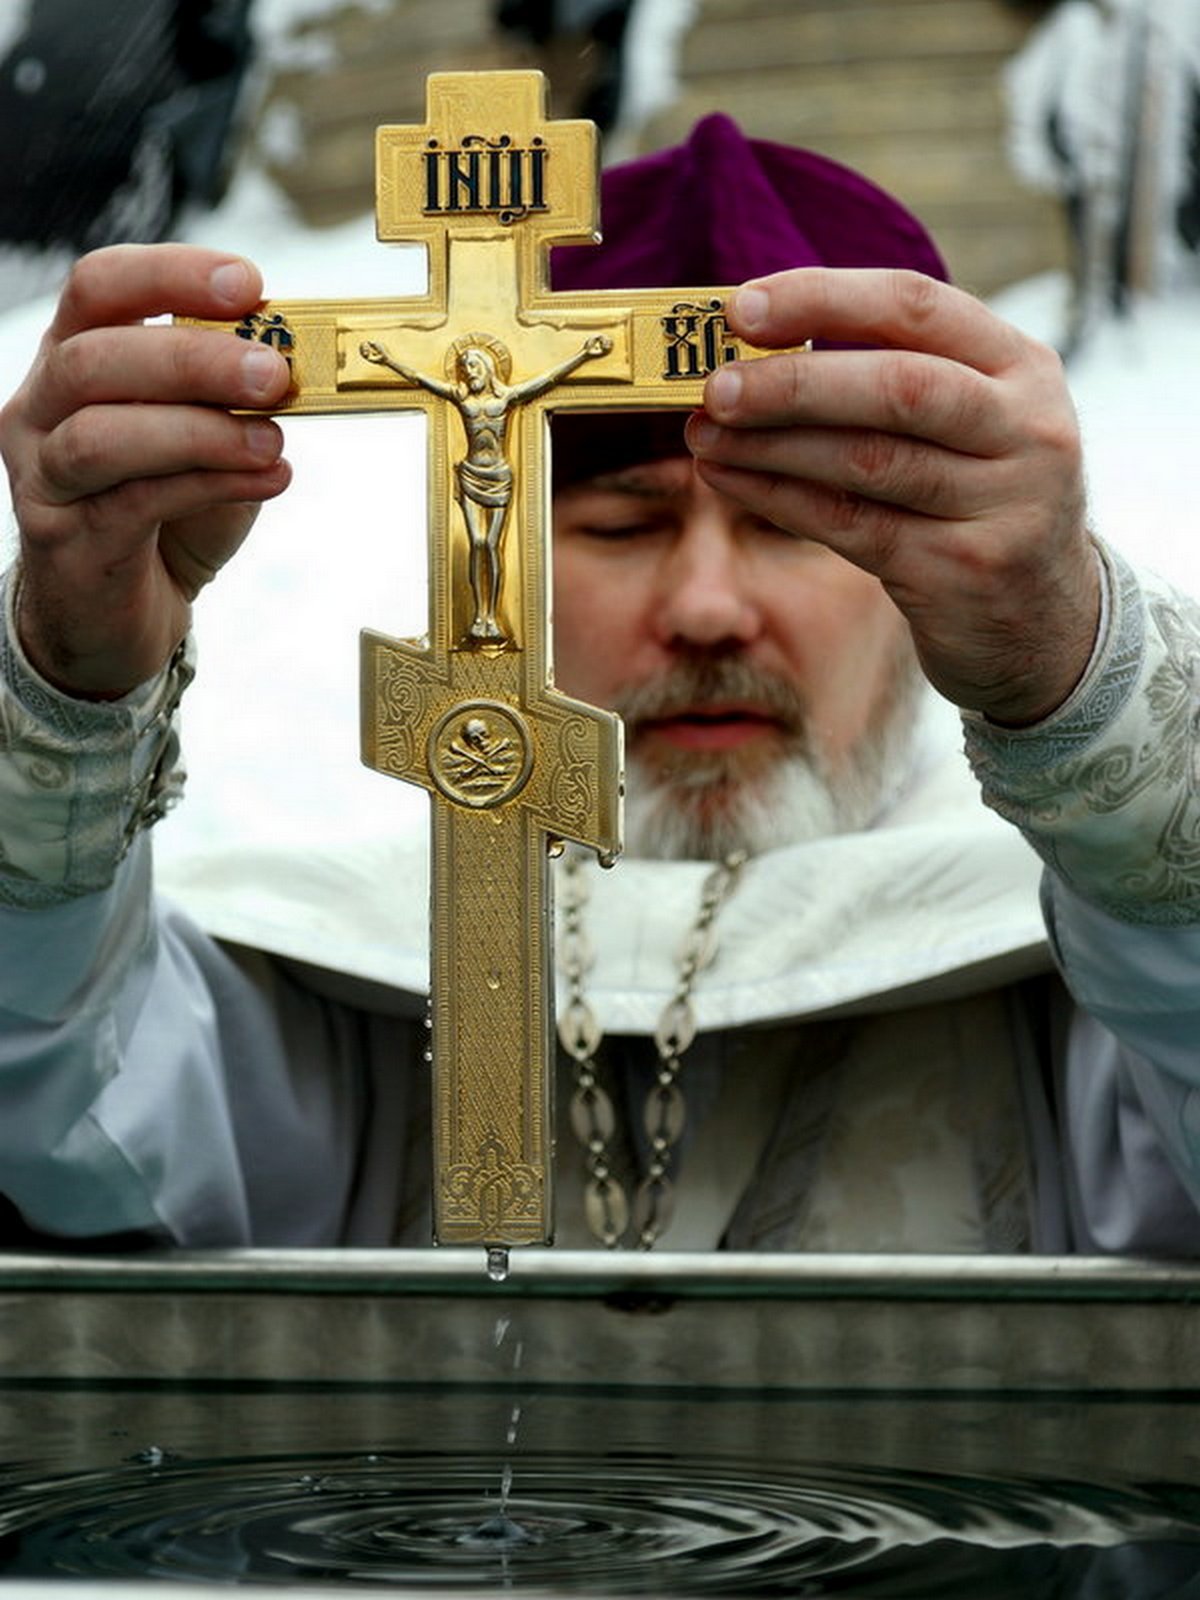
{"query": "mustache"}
pixel 692 683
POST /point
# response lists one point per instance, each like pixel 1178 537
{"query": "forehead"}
pixel 667 478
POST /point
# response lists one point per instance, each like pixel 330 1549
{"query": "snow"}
pixel 652 41
pixel 1135 389
pixel 344 549
pixel 1102 103
pixel 1134 384
pixel 288 35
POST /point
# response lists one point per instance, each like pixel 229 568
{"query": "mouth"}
pixel 711 727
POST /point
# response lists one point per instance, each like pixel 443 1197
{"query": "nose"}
pixel 705 592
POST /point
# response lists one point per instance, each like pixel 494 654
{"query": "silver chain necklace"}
pixel 593 1116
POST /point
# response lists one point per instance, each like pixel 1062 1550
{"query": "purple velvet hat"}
pixel 719 209
pixel 723 208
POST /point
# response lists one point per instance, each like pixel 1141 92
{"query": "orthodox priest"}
pixel 821 941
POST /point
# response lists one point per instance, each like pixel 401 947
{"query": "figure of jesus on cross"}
pixel 484 478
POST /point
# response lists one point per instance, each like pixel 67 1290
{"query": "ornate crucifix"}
pixel 470 713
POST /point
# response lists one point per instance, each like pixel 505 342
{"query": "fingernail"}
pixel 723 390
pixel 260 370
pixel 263 440
pixel 230 282
pixel 700 433
pixel 751 307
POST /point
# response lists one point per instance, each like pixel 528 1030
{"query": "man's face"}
pixel 765 682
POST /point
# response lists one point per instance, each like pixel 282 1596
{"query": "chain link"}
pixel 593 1116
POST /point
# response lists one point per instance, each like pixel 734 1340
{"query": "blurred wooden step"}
pixel 908 91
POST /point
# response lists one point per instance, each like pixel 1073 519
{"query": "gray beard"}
pixel 706 808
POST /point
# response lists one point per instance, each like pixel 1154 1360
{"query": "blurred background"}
pixel 119 117
pixel 907 92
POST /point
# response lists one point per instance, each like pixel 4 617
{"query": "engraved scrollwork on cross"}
pixel 403 696
pixel 494 1187
pixel 571 786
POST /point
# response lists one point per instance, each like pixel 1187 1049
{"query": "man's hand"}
pixel 945 460
pixel 131 481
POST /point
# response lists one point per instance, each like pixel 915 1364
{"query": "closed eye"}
pixel 617 530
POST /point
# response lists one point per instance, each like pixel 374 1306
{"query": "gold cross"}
pixel 511 764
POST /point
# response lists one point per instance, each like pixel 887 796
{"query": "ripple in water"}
pixel 640 1525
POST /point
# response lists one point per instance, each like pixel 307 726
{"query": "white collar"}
pixel 940 896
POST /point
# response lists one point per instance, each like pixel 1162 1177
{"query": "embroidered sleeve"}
pixel 78 779
pixel 1107 790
